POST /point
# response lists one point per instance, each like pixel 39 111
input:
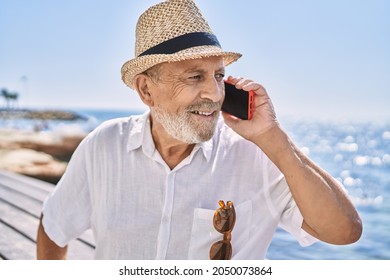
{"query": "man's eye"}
pixel 219 77
pixel 197 77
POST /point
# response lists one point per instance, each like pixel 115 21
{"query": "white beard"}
pixel 183 127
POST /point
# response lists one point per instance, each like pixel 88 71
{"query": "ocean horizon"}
pixel 356 153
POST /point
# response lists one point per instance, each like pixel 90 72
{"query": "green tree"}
pixel 11 98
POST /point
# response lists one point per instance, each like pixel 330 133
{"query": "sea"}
pixel 357 153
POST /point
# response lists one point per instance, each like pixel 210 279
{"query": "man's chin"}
pixel 188 128
pixel 195 136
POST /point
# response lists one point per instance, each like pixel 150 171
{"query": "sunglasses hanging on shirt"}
pixel 223 221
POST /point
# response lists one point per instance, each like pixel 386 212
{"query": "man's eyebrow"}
pixel 222 69
pixel 198 69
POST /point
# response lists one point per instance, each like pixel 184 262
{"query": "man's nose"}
pixel 212 90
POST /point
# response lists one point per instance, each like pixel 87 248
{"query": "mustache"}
pixel 206 105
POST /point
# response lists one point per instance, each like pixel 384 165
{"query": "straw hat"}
pixel 173 30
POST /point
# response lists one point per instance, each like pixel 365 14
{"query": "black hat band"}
pixel 183 42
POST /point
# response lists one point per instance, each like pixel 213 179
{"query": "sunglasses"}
pixel 224 220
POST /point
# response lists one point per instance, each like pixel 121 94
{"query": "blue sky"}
pixel 317 59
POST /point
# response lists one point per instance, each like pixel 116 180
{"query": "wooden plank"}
pixel 88 238
pixel 32 207
pixel 80 251
pixel 21 201
pixel 15 246
pixel 26 224
pixel 19 225
pixel 32 187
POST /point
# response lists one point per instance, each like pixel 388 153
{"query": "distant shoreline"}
pixel 33 114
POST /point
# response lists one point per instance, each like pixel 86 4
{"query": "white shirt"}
pixel 118 185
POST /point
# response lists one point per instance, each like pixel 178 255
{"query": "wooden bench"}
pixel 21 200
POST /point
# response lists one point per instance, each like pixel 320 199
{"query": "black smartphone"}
pixel 238 102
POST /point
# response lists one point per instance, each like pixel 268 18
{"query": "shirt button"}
pixel 165 219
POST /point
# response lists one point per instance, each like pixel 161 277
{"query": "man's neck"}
pixel 171 150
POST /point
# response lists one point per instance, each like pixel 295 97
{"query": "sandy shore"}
pixel 43 155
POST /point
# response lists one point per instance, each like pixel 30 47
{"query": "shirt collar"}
pixel 137 127
pixel 140 135
pixel 207 148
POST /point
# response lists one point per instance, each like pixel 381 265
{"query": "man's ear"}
pixel 142 86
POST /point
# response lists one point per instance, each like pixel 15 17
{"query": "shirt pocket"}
pixel 203 233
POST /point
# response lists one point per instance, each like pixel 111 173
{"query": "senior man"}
pixel 149 185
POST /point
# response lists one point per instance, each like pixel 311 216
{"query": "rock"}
pixel 43 155
pixel 32 163
pixel 40 114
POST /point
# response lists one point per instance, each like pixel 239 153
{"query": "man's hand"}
pixel 264 117
pixel 327 211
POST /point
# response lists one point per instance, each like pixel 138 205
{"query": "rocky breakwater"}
pixel 39 154
pixel 39 114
